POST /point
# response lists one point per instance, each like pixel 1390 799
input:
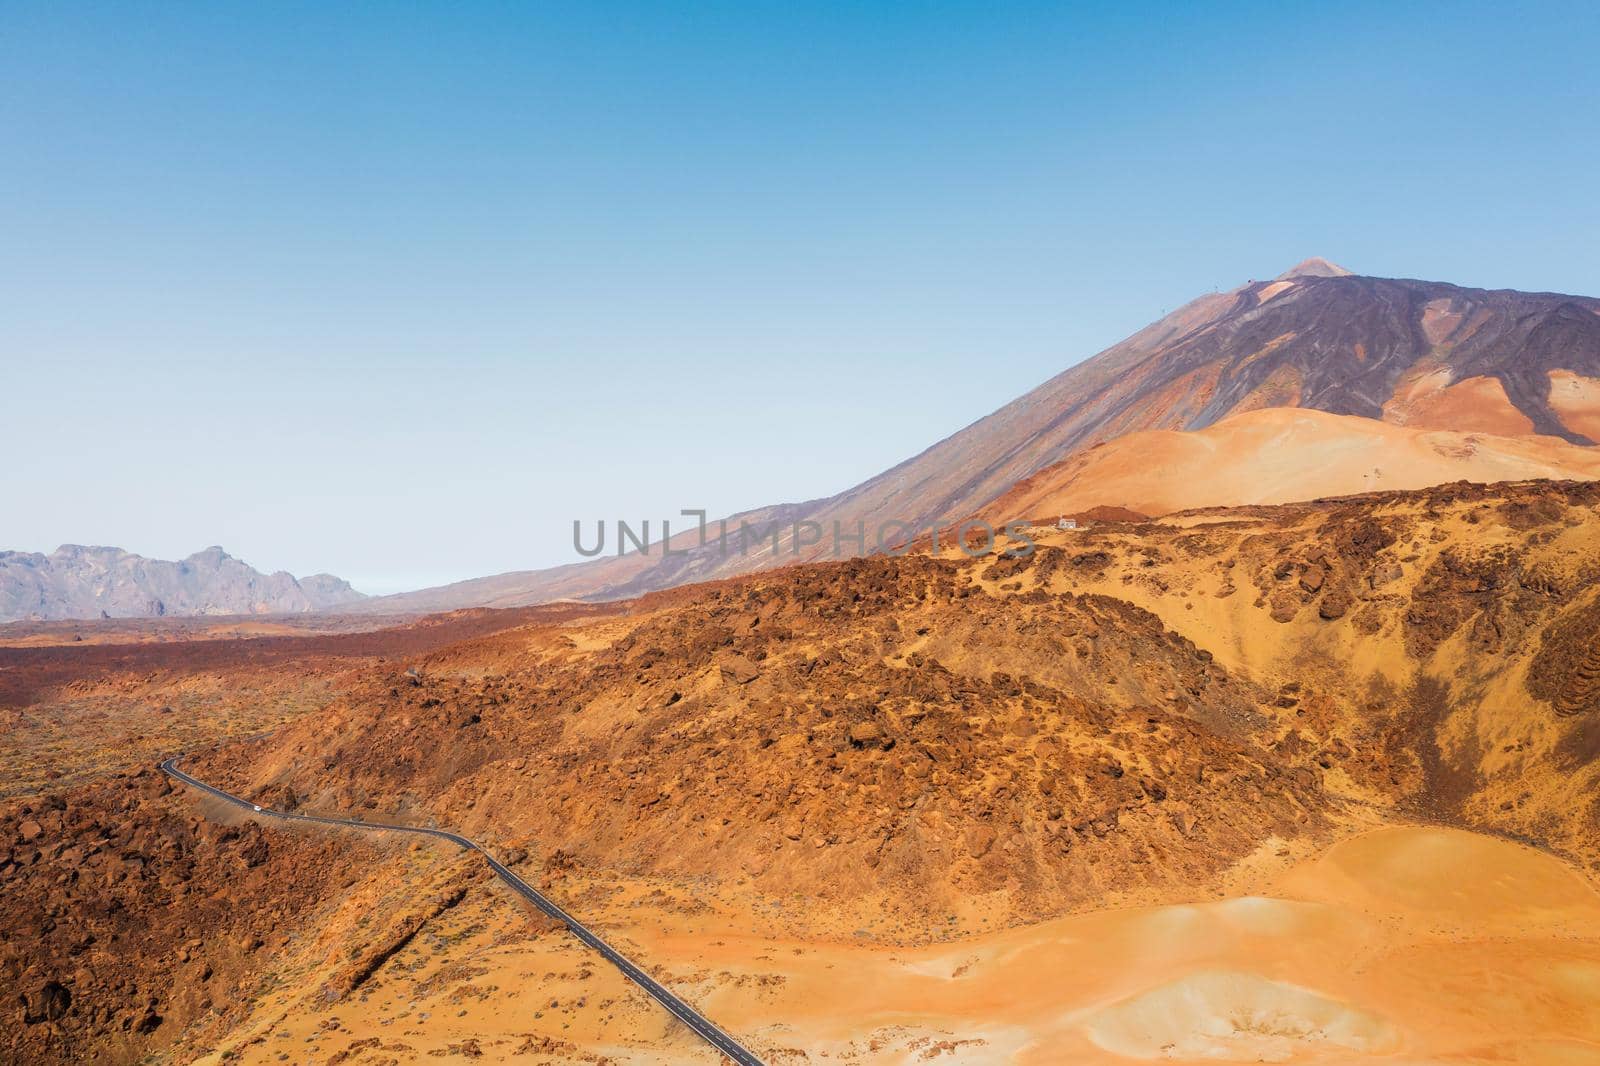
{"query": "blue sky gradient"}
pixel 399 291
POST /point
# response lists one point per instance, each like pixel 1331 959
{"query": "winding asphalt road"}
pixel 679 1009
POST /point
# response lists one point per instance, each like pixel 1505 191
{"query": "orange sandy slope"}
pixel 1282 455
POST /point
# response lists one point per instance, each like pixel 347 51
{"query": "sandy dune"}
pixel 1473 405
pixel 1383 945
pixel 1281 455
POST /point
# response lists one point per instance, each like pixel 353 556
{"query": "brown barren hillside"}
pixel 1281 455
pixel 829 711
pixel 880 726
pixel 1311 782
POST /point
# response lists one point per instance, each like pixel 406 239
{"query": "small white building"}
pixel 1067 523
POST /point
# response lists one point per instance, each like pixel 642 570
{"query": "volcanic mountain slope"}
pixel 81 582
pixel 1280 455
pixel 1424 354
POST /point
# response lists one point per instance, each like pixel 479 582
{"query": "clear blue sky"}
pixel 397 291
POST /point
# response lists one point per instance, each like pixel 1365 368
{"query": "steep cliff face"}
pixel 90 582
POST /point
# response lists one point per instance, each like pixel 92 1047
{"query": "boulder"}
pixel 868 734
pixel 48 1002
pixel 739 670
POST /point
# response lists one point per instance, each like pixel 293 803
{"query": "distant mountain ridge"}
pixel 76 581
pixel 1428 355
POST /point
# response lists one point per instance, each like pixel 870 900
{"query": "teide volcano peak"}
pixel 1315 267
pixel 1420 354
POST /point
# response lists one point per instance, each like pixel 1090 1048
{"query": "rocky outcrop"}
pixel 84 582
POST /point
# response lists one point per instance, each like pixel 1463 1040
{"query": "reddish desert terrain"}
pixel 1301 783
pixel 192 628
